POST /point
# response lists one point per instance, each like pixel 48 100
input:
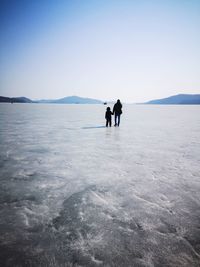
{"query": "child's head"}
pixel 108 108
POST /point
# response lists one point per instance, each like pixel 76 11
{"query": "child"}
pixel 108 117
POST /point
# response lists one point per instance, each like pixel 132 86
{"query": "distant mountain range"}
pixel 71 100
pixel 65 100
pixel 181 99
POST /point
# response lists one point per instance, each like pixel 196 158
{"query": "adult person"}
pixel 117 111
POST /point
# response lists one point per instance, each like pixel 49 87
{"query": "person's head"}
pixel 108 108
pixel 118 101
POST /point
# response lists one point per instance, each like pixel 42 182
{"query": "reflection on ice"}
pixel 93 127
pixel 125 196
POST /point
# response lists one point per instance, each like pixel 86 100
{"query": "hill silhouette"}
pixel 22 99
pixel 180 99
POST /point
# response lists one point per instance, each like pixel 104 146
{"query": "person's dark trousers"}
pixel 117 119
pixel 108 122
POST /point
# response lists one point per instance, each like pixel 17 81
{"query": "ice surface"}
pixel 75 193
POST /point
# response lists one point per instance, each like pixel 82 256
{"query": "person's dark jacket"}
pixel 108 115
pixel 117 109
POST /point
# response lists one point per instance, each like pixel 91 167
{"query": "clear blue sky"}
pixel 134 50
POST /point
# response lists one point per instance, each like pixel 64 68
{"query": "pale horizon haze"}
pixel 133 50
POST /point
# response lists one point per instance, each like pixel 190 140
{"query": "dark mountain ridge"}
pixel 21 99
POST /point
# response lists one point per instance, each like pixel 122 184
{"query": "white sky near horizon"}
pixel 132 50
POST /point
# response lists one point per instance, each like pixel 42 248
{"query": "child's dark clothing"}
pixel 108 117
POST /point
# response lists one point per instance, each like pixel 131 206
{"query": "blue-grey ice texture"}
pixel 75 193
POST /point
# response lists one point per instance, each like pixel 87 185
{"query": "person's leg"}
pixel 110 123
pixel 118 120
pixel 115 119
pixel 106 123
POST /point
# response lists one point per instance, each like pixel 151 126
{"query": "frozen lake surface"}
pixel 74 193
